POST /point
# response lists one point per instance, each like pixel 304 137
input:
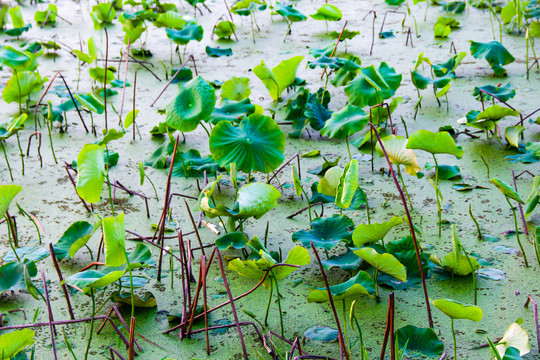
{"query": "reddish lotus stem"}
pixel 61 278
pixel 49 313
pixel 535 312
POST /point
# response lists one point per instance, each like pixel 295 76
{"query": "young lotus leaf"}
pixel 74 238
pixel 16 17
pixel 348 184
pixel 170 20
pixel 256 144
pixel 101 75
pixel 281 76
pixel 235 240
pixel 496 112
pixel 114 236
pixel 396 149
pixel 456 310
pixel 329 184
pixel 419 341
pixel 101 14
pixel 326 232
pixel 495 54
pixel 534 197
pixel 236 89
pixel 345 122
pixel 434 143
pixel 246 7
pixel 224 29
pixel 91 172
pixel 91 102
pixel 191 31
pixel 372 86
pixel 504 93
pixel 191 164
pixel 146 300
pixel 15 58
pixel 444 25
pixel 130 118
pixel 386 263
pixel 93 279
pixel 320 333
pixel 297 183
pixel 289 13
pixel 256 199
pixel 507 190
pixel 7 194
pixel 17 276
pixel 12 127
pixel 195 102
pixel 327 12
pixel 361 284
pixel 14 342
pixel 512 134
pixel 364 234
pixel 514 337
pixel 92 52
pixel 48 15
pixel 348 262
pixel 256 269
pixel 139 257
pixel 456 262
pixel 21 85
pixel 231 110
pixel 158 158
pixel 218 52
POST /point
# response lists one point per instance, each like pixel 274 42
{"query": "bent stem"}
pixel 404 187
pixel 480 236
pixel 7 161
pixel 91 324
pixel 268 306
pixel 517 232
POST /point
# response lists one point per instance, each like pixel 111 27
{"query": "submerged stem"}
pixel 517 232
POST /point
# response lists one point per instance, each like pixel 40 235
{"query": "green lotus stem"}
pixel 473 274
pixel 109 186
pixel 517 231
pixel 268 306
pixel 348 147
pixel 480 236
pixel 536 248
pixel 19 90
pixel 68 345
pixel 20 153
pixel 437 193
pixel 91 324
pixel 367 212
pixel 252 29
pixel 49 126
pixel 7 161
pixel 8 223
pixel 205 129
pixel 377 297
pixel 404 187
pixel 153 186
pixel 454 336
pixel 527 51
pixel 308 203
pixel 345 328
pixel 325 86
pixel 279 304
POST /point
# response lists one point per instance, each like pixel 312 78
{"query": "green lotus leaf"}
pixel 444 25
pixel 21 85
pixel 130 118
pixel 28 253
pixel 7 194
pixel 281 76
pixel 147 300
pixel 170 20
pixel 141 256
pixel 218 52
pixel 386 262
pixel 289 13
pixel 48 15
pixel 14 342
pixel 326 232
pixel 507 190
pixel 224 29
pixel 158 158
pixel 372 86
pixel 327 12
pixel 456 262
pixel 534 197
pixel 191 164
pixel 16 276
pixel 101 14
pixel 348 184
pixel 504 93
pixel 114 236
pixel 235 240
pixel 16 17
pixel 348 262
pixel 73 239
pixel 91 172
pixel 231 110
pixel 516 338
pixel 191 31
pixel 496 113
pixel 246 7
pixel 92 52
pixel 512 134
pixel 236 89
pixel 361 284
pixel 434 143
pixel 456 310
pixel 17 31
pixel 321 333
pixel 345 35
pixel 15 58
pixel 329 184
pixel 12 127
pixel 195 102
pixel 256 144
pixel 345 122
pixel 495 54
pixel 256 199
pixel 98 73
pixel 364 233
pixel 419 341
pixel 396 149
pixel 206 203
pixel 91 102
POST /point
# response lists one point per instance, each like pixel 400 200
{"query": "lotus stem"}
pixel 517 231
pixel 7 161
pixel 437 191
pixel 348 147
pixel 278 294
pixel 404 187
pixel 454 337
pixel 480 236
pixel 91 324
